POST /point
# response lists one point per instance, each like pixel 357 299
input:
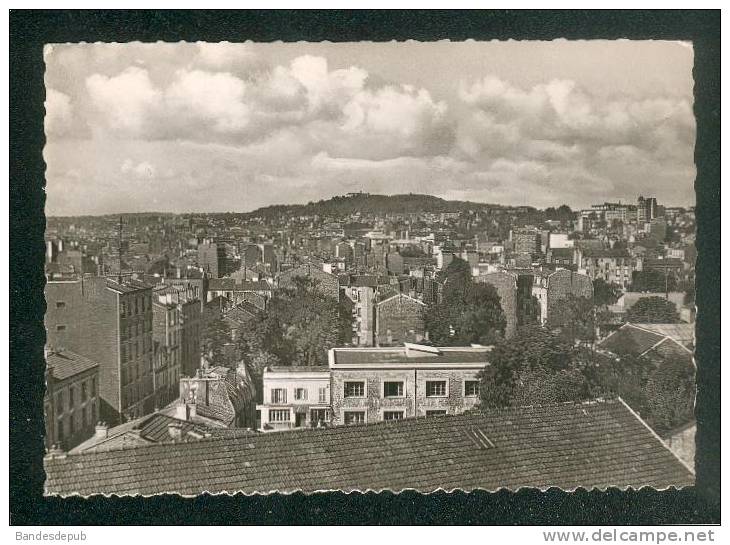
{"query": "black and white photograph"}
pixel 303 267
pixel 360 266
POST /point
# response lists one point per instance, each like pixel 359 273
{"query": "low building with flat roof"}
pixel 374 384
pixel 294 397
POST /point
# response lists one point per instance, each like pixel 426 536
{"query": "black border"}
pixel 30 29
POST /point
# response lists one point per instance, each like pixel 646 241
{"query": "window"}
pixel 300 394
pixel 354 417
pixel 93 386
pixel 392 415
pixel 323 395
pixel 435 413
pixel 278 395
pixel 60 304
pixel 71 427
pixel 435 388
pixel 355 389
pixel 71 396
pixel 59 429
pixel 83 418
pixel 60 328
pixel 83 391
pixel 392 389
pixel 59 403
pixel 471 388
pixel 278 415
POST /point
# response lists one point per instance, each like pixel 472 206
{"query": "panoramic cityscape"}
pixel 274 270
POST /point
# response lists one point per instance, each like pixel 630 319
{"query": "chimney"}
pixel 181 411
pixel 55 452
pixel 175 431
pixel 101 430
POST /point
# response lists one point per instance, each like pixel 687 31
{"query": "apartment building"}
pixel 109 322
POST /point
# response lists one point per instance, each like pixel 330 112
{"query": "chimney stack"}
pixel 101 430
pixel 181 411
pixel 175 431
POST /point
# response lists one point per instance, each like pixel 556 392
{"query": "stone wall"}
pixel 506 286
pixel 399 319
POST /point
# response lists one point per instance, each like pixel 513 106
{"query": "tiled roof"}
pixel 590 445
pixel 65 364
pixel 630 340
pixel 221 284
pixel 148 429
pixel 682 333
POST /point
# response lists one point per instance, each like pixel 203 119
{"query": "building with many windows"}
pixel 111 323
pixel 294 397
pixel 374 384
pixel 71 406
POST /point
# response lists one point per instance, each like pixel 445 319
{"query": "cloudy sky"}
pixel 232 127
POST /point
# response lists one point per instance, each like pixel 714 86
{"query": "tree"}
pixel 653 310
pixel 535 366
pixel 670 394
pixel 574 317
pixel 662 391
pixel 605 293
pixel 467 313
pixel 299 326
pixel 653 281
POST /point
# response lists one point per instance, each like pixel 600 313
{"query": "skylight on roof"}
pixel 479 438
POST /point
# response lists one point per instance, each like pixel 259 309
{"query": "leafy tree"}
pixel 625 377
pixel 298 327
pixel 605 293
pixel 653 281
pixel 574 317
pixel 468 312
pixel 653 310
pixel 535 366
pixel 670 394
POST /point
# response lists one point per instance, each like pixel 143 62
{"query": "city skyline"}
pixel 205 128
pixel 624 202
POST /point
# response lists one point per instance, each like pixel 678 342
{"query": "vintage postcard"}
pixel 282 267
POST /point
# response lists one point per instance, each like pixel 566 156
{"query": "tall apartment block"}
pixel 110 323
pixel 212 258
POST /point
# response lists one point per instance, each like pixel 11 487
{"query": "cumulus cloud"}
pixel 58 112
pixel 220 123
pixel 124 101
pixel 561 112
pixel 208 98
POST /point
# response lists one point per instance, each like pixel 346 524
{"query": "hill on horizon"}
pixel 370 203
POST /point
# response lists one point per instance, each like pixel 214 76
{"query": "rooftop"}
pixel 294 369
pixel 409 354
pixel 591 445
pixel 65 364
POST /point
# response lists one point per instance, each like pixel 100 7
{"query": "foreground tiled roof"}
pixel 65 364
pixel 591 445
